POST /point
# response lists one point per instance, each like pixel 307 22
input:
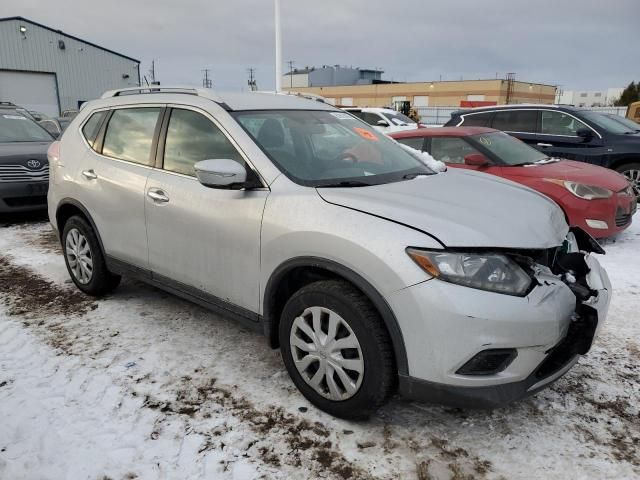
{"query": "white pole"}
pixel 276 7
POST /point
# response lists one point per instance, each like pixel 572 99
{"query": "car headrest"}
pixel 271 134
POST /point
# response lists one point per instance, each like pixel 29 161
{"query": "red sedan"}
pixel 594 198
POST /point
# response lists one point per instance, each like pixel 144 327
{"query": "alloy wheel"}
pixel 326 353
pixel 79 256
pixel 634 177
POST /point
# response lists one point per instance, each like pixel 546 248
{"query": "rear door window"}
pixel 415 142
pixel 525 121
pixel 192 137
pixel 372 118
pixel 92 127
pixel 129 134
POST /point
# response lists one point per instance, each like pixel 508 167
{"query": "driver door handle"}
pixel 89 174
pixel 157 195
pixel 545 145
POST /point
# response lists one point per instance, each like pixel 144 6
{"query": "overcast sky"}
pixel 578 44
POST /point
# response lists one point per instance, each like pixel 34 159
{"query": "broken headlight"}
pixel 492 272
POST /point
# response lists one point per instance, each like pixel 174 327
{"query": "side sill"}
pixel 246 318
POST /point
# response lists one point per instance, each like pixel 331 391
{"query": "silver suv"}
pixel 369 271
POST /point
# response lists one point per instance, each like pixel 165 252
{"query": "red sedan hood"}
pixel 572 171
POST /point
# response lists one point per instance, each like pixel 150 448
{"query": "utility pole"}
pixel 278 40
pixel 152 72
pixel 206 81
pixel 290 63
pixel 252 82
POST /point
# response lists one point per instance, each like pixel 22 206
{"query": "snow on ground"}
pixel 144 385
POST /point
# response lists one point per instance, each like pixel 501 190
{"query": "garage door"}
pixel 34 91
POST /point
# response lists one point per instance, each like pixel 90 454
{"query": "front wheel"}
pixel 632 172
pixel 336 349
pixel 84 259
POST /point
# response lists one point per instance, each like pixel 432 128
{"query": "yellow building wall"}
pixel 449 93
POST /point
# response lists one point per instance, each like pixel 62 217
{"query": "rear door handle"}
pixel 157 195
pixel 89 174
pixel 545 145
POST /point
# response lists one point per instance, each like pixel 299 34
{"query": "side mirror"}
pixel 585 133
pixel 221 173
pixel 382 123
pixel 476 160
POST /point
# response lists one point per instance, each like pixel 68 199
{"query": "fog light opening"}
pixel 599 224
pixel 489 362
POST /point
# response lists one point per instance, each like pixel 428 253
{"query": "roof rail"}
pixel 200 92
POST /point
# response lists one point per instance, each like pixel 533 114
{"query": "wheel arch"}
pixel 295 273
pixel 67 208
pixel 623 161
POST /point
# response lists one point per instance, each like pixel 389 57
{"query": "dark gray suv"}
pixel 565 132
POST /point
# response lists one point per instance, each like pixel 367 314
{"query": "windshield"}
pixel 603 121
pixel 624 121
pixel 329 148
pixel 16 128
pixel 508 149
pixel 398 118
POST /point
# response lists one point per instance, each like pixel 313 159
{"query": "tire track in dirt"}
pixel 306 443
pixel 30 297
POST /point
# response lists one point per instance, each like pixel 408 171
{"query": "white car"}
pixel 384 120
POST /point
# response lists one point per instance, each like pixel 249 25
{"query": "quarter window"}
pixel 558 123
pixel 450 149
pixel 516 121
pixel 192 137
pixel 129 134
pixel 92 126
pixel 477 120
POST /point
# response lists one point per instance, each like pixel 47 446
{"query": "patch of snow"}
pixel 426 158
pixel 146 385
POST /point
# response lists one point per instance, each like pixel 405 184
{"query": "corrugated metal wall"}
pixel 83 71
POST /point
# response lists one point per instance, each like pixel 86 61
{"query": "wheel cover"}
pixel 326 353
pixel 79 256
pixel 634 177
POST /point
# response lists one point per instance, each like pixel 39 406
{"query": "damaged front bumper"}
pixel 551 327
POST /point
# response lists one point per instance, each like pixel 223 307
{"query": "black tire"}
pixel 102 281
pixel 379 373
pixel 627 167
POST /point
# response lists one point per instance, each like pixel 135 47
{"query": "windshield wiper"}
pixel 344 183
pixel 411 176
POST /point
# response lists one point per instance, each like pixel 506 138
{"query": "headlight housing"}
pixel 491 272
pixel 582 190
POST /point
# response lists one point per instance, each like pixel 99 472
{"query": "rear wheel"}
pixel 84 259
pixel 336 349
pixel 632 172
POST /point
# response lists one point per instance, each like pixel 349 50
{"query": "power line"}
pixel 291 63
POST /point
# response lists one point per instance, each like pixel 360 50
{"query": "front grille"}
pixel 577 342
pixel 622 217
pixel 20 173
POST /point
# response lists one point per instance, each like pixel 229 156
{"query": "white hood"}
pixel 462 208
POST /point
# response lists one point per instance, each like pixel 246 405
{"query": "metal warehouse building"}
pixel 50 71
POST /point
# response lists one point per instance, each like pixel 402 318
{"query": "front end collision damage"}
pixel 570 294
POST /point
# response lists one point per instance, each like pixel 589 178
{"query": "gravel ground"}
pixel 143 385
